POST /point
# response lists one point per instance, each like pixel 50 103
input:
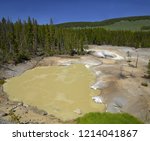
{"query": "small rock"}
pixel 78 111
pixel 26 112
pixel 2 121
pixel 2 114
pixel 44 113
pixel 97 99
pixel 13 110
pixel 25 105
pixel 52 116
pixel 25 122
pixel 20 104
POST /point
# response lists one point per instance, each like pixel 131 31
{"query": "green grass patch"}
pixel 128 25
pixel 136 23
pixel 108 118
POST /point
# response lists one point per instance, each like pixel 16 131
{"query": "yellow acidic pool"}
pixel 59 90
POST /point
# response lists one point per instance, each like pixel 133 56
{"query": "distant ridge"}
pixel 107 22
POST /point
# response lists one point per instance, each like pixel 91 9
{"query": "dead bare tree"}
pixel 137 58
pixel 128 57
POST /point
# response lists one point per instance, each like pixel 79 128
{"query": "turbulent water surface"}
pixel 60 90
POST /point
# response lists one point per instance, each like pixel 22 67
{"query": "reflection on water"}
pixel 59 90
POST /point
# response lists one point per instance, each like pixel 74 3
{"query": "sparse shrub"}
pixel 2 81
pixel 129 61
pixel 21 57
pixel 14 118
pixel 144 84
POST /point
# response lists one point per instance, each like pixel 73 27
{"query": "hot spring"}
pixel 59 90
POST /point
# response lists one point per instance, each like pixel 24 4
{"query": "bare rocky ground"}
pixel 125 92
pixel 119 82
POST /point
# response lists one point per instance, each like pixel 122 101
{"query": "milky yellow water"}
pixel 59 90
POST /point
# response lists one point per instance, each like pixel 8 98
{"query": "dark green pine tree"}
pixel 29 35
pixel 35 36
pixel 47 45
pixel 51 21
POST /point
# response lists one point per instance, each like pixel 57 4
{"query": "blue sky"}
pixel 72 10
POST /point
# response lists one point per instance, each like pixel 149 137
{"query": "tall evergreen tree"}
pixel 22 40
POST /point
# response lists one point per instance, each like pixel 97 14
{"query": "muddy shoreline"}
pixel 16 111
pixel 119 94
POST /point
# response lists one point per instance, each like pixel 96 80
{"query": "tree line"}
pixel 25 39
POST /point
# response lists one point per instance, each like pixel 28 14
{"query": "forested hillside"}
pixel 22 40
pixel 25 39
pixel 127 23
